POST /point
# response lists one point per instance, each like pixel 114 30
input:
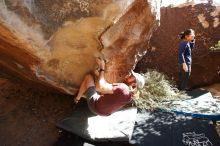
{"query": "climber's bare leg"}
pixel 102 86
pixel 87 82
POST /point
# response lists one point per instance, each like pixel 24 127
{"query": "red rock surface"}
pixel 55 43
pixel 124 42
pixel 28 116
pixel 163 51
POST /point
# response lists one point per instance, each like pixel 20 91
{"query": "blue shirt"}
pixel 185 52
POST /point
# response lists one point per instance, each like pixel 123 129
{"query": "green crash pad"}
pixel 116 127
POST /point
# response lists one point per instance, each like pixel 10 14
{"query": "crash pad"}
pixel 116 127
pixel 166 129
pixel 201 105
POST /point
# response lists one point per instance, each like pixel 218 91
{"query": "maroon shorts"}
pixel 108 103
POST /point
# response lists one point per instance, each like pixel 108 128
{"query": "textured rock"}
pixel 55 43
pixel 214 89
pixel 124 42
pixel 163 50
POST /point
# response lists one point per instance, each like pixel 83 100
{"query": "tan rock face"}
pixel 55 43
pixel 214 89
pixel 125 42
pixel 163 51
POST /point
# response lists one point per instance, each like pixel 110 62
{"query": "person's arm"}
pixel 185 68
pixel 102 86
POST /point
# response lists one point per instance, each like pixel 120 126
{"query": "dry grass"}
pixel 157 90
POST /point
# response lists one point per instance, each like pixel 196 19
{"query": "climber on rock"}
pixel 104 98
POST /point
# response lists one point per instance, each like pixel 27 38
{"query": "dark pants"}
pixel 183 77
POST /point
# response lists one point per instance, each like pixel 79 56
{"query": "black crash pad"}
pixel 116 127
pixel 166 129
pixel 151 128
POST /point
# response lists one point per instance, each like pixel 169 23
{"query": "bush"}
pixel 157 90
pixel 216 47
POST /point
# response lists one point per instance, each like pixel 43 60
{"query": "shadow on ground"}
pixel 68 139
pixel 28 117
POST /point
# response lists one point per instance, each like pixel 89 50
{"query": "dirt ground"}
pixel 28 116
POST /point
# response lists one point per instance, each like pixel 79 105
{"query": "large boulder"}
pixel 125 42
pixel 163 50
pixel 54 43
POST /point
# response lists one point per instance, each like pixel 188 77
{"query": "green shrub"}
pixel 216 47
pixel 157 91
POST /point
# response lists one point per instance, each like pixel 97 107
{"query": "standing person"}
pixel 185 57
pixel 104 98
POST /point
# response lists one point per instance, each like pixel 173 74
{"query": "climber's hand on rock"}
pixel 101 63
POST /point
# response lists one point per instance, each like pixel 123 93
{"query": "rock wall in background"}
pixel 54 43
pixel 163 51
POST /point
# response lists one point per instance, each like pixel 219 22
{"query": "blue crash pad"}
pixel 201 105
